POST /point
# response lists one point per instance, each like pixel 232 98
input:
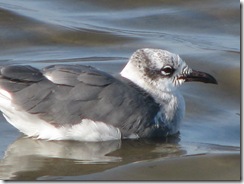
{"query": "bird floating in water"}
pixel 77 102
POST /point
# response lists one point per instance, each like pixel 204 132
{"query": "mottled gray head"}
pixel 156 68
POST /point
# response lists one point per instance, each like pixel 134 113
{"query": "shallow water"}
pixel 104 34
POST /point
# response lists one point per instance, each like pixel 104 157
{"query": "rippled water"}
pixel 104 34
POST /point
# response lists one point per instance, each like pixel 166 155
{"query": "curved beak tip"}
pixel 214 81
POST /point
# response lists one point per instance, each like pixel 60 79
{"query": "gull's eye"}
pixel 167 70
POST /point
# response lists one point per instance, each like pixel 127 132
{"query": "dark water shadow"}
pixel 29 159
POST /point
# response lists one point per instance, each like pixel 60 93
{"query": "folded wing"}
pixel 63 95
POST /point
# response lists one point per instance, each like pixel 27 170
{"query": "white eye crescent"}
pixel 167 70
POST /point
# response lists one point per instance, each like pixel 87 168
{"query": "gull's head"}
pixel 161 70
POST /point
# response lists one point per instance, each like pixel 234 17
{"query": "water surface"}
pixel 104 34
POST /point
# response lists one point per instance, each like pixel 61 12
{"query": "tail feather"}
pixel 22 73
pixel 14 78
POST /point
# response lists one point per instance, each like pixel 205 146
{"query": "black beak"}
pixel 199 77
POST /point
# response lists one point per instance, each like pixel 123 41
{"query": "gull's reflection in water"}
pixel 30 159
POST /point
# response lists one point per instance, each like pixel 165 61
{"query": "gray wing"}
pixel 66 94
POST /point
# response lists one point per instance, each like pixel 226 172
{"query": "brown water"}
pixel 104 34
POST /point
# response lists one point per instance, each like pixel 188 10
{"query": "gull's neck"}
pixel 133 75
pixel 171 101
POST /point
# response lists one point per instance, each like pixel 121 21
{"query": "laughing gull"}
pixel 77 102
